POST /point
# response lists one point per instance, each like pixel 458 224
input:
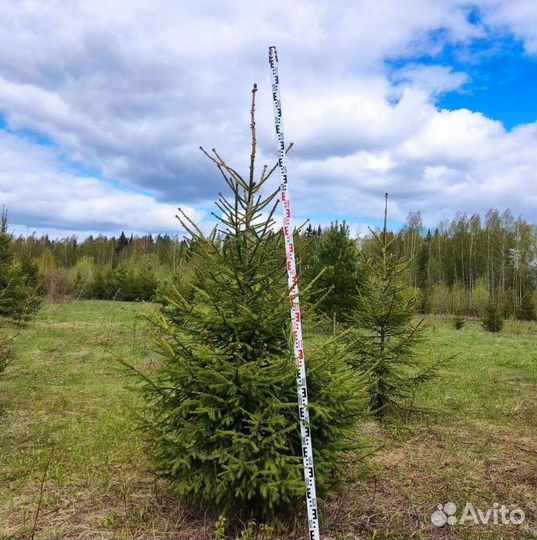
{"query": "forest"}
pixel 457 266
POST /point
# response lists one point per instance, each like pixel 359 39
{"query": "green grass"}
pixel 66 421
pixel 64 400
pixel 472 439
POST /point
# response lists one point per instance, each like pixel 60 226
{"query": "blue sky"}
pixel 102 110
pixel 503 83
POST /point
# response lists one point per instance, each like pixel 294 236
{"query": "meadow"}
pixel 72 463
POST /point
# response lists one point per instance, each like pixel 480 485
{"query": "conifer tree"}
pixel 122 242
pixel 221 414
pixel 492 319
pixel 18 299
pixel 18 296
pixel 334 264
pixel 5 344
pixel 386 333
pixel 526 310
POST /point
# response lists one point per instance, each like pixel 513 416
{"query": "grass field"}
pixel 71 457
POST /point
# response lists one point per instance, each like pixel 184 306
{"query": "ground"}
pixel 72 463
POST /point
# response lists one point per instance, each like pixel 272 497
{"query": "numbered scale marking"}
pixel 307 448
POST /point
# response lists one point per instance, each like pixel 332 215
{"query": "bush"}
pixel 493 320
pixel 439 299
pixel 134 282
pixel 458 298
pixel 458 322
pixel 6 352
pixel 84 271
pixel 479 298
pixel 526 310
pixel 58 284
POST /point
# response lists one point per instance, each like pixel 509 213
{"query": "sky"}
pixel 104 104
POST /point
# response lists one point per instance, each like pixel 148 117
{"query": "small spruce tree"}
pixel 526 310
pixel 18 280
pixel 386 332
pixel 18 298
pixel 122 242
pixel 492 319
pixel 221 414
pixel 458 321
pixel 334 264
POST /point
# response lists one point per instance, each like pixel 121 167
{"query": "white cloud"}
pixel 132 93
pixel 431 78
pixel 37 191
pixel 458 137
pixel 457 160
pixel 515 16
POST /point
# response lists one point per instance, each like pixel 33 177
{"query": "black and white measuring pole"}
pixel 296 321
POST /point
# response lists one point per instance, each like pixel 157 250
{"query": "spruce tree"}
pixel 334 265
pixel 122 242
pixel 526 310
pixel 386 333
pixel 221 414
pixel 18 280
pixel 18 298
pixel 492 319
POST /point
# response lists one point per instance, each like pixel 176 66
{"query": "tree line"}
pixel 462 264
pixel 458 267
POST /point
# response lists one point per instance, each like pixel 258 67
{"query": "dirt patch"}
pixel 70 325
pixel 150 366
pixel 476 463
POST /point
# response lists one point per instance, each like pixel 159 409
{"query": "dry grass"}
pixel 436 465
